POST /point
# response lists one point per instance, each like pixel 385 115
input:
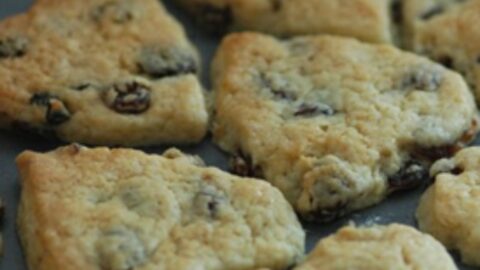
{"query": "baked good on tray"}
pixel 101 72
pixel 334 123
pixel 450 209
pixel 394 246
pixel 448 32
pixel 368 20
pixel 122 209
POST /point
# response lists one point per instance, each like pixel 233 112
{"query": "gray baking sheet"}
pixel 398 208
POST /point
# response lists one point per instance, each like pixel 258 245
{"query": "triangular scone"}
pixel 450 209
pixel 336 124
pixel 368 20
pixel 102 72
pixel 446 31
pixel 394 246
pixel 121 209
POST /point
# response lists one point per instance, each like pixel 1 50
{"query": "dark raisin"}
pixel 129 97
pixel 121 248
pixel 216 20
pixel 478 59
pixel 13 47
pixel 208 202
pixel 242 165
pixel 456 171
pixel 158 63
pixel 114 11
pixel 328 214
pixel 308 109
pixel 81 86
pixel 446 61
pixel 283 94
pixel 432 12
pixel 435 153
pixel 397 11
pixel 279 88
pixel 56 113
pixel 412 175
pixel 277 5
pixel 423 80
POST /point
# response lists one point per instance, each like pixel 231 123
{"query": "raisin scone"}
pixel 334 123
pixel 122 209
pixel 450 209
pixel 368 20
pixel 100 72
pixel 394 246
pixel 446 31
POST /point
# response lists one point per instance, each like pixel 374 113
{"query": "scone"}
pixel 446 31
pixel 100 72
pixel 368 20
pixel 395 246
pixel 450 209
pixel 121 209
pixel 336 124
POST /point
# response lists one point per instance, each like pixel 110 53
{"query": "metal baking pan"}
pixel 398 208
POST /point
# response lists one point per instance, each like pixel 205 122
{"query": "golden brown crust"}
pixel 450 208
pixel 368 20
pixel 446 31
pixel 376 248
pixel 117 209
pixel 336 124
pixel 100 72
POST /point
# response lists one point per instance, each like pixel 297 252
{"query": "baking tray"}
pixel 398 208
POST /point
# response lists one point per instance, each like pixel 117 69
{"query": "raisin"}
pixel 328 214
pixel 129 98
pixel 279 87
pixel 216 20
pixel 57 112
pixel 121 249
pixel 397 11
pixel 114 11
pixel 208 202
pixel 158 63
pixel 445 165
pixel 81 86
pixel 423 80
pixel 432 12
pixel 283 94
pixel 446 61
pixel 435 153
pixel 277 5
pixel 412 174
pixel 308 109
pixel 13 47
pixel 242 165
pixel 457 171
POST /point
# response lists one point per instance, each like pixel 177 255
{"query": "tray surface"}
pixel 398 208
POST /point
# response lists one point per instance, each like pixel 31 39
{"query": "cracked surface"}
pixel 112 77
pixel 120 209
pixel 395 246
pixel 364 19
pixel 377 117
pixel 446 31
pixel 450 208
